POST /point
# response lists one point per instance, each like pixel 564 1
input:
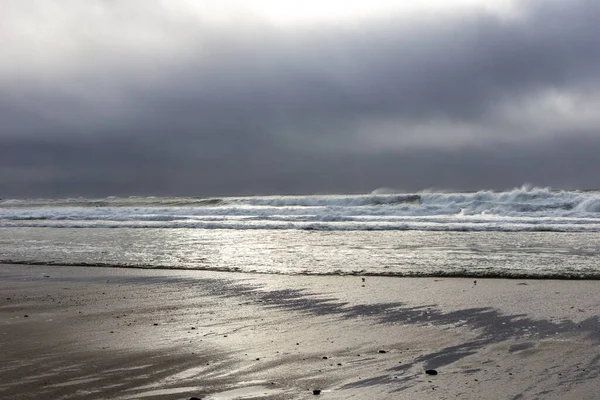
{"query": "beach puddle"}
pixel 249 392
pixel 162 392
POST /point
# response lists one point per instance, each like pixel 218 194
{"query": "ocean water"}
pixel 524 233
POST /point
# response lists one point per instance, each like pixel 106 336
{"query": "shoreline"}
pixel 172 334
pixel 449 275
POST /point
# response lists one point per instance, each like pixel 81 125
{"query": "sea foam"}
pixel 521 209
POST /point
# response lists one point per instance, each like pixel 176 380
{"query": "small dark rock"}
pixel 258 359
pixel 317 392
pixel 155 324
pixel 325 357
pixel 431 372
pixel 340 364
pixel 26 316
pixel 382 351
pixel 195 398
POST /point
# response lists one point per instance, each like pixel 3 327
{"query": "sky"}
pixel 242 97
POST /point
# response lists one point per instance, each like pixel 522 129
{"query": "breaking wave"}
pixel 521 209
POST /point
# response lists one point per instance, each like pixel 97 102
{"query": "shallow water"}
pixel 401 253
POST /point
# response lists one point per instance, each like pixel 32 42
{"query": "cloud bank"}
pixel 189 98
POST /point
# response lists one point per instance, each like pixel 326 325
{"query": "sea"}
pixel 526 232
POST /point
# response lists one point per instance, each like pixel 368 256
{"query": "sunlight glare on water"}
pixel 413 253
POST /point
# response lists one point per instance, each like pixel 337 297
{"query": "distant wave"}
pixel 333 201
pixel 271 201
pixel 113 201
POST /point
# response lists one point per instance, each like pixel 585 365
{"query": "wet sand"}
pixel 95 333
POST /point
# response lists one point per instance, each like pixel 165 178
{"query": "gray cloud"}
pixel 120 98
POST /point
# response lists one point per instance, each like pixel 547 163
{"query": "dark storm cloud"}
pixel 177 105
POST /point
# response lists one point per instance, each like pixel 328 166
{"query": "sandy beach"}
pixel 103 333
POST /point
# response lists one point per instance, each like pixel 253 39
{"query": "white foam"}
pixel 521 209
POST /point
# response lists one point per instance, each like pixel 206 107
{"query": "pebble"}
pixel 431 372
pixel 382 351
pixel 317 392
